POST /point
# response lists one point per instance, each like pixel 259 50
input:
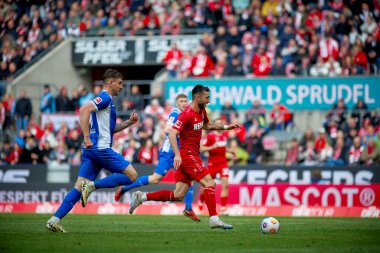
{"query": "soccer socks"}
pixel 201 201
pixel 67 204
pixel 189 198
pixel 112 181
pixel 163 195
pixel 140 181
pixel 223 202
pixel 209 195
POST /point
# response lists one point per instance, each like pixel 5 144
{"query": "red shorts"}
pixel 191 168
pixel 221 168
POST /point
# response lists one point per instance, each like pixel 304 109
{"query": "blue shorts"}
pixel 93 160
pixel 165 163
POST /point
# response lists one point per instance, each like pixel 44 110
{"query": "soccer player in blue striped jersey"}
pixel 98 122
pixel 165 162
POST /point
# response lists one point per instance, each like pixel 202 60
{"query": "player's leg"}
pixel 163 195
pixel 224 195
pixel 123 173
pixel 165 163
pixel 87 171
pixel 140 181
pixel 209 194
pixel 188 212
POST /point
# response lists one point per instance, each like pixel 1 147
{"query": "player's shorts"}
pixel 191 168
pixel 221 169
pixel 165 163
pixel 93 160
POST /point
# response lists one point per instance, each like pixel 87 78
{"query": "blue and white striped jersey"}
pixel 102 121
pixel 166 147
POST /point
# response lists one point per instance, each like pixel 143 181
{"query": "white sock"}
pixel 214 218
pixel 143 197
pixel 54 219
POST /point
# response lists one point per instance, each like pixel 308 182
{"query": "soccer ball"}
pixel 270 225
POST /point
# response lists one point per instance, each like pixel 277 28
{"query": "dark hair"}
pixel 112 74
pixel 199 89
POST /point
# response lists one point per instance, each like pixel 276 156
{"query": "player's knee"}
pixel 210 183
pixel 133 176
pixel 155 180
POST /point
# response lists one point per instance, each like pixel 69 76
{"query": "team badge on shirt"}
pixel 97 100
pixel 170 120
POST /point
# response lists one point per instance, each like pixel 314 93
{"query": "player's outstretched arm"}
pixel 220 126
pixel 132 120
pixel 84 119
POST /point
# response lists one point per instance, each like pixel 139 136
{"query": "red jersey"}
pixel 190 124
pixel 218 154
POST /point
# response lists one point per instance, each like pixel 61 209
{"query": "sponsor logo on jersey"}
pixel 198 126
pixel 170 120
pixel 97 100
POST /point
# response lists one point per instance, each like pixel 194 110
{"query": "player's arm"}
pixel 84 119
pixel 220 126
pixel 123 125
pixel 173 133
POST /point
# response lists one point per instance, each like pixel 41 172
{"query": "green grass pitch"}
pixel 134 233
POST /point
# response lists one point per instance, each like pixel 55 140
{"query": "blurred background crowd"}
pixel 348 136
pixel 241 38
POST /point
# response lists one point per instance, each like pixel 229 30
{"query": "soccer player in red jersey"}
pixel 187 161
pixel 215 144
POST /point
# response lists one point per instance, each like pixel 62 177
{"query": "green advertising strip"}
pixel 295 93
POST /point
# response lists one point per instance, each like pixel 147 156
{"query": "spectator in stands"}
pixel 370 153
pixel 131 152
pixel 63 101
pixel 74 101
pixel 360 111
pixel 47 104
pixel 148 153
pixel 257 111
pixel 307 136
pixel 337 112
pixel 309 156
pixel 280 116
pixel 326 153
pixel 154 109
pixel 202 65
pixel 136 98
pixel 328 47
pixel 172 60
pixel 5 155
pixel 228 111
pixel 8 103
pixel 278 68
pixel 74 142
pixel 234 68
pixel 23 111
pixel 319 69
pixel 31 152
pixel 239 157
pixel 261 63
pixel 321 140
pixel 339 154
pixel 85 95
pixel 292 153
pixel 254 145
pixel 47 153
pixel 356 151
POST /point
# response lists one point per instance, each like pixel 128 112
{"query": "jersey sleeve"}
pixel 172 118
pixel 182 121
pixel 101 101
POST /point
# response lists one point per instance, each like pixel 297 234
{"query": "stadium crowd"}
pixel 247 38
pixel 347 137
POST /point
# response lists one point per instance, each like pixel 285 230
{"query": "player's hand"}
pixel 134 117
pixel 177 161
pixel 234 126
pixel 88 143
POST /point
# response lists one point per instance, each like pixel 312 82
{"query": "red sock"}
pixel 223 201
pixel 209 194
pixel 163 195
pixel 202 198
